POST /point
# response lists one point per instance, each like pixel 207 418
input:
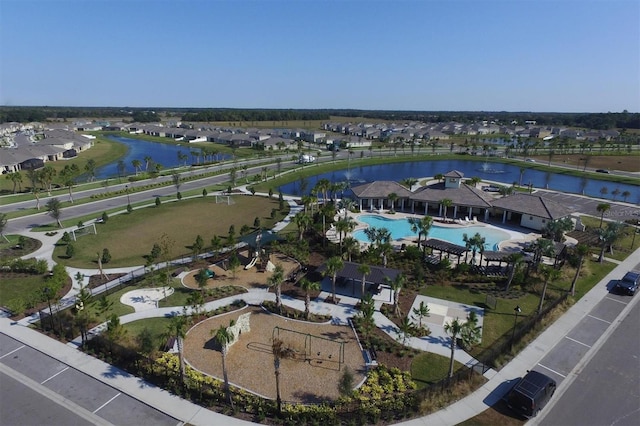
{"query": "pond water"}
pixel 161 153
pixel 504 173
pixel 400 228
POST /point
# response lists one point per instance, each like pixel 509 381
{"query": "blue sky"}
pixel 517 55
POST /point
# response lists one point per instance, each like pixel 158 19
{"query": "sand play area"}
pixel 311 376
pixel 146 298
pixel 248 278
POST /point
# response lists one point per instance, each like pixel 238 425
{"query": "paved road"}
pixel 38 389
pixel 607 390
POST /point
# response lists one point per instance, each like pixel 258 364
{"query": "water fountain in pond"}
pixel 486 168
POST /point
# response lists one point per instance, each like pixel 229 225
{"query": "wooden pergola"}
pixel 444 247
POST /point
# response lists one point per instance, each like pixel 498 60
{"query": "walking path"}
pixel 460 411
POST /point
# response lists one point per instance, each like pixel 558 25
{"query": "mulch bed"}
pixel 98 280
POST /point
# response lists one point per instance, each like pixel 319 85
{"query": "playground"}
pixel 317 355
pixel 254 276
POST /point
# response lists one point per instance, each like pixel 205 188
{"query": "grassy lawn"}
pixel 497 321
pixel 131 236
pixel 500 321
pixel 21 287
pixel 428 368
pixel 624 246
pixel 157 326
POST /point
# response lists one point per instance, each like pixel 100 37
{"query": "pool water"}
pixel 400 228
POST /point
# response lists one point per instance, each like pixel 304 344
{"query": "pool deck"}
pixel 518 238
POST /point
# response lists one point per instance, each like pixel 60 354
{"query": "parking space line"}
pixel 599 319
pixel 61 371
pixel 553 371
pixel 577 341
pixel 615 300
pixel 15 350
pixel 105 404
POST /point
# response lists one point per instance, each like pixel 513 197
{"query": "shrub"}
pixel 106 256
pixel 158 202
pixel 70 251
pixel 105 217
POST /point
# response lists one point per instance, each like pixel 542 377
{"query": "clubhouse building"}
pixel 464 201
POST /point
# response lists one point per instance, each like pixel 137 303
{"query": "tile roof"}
pixel 533 205
pixel 463 196
pixel 380 189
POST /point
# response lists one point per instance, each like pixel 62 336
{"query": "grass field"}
pixel 19 287
pixel 626 163
pixel 157 326
pixel 428 368
pixel 498 322
pixel 131 236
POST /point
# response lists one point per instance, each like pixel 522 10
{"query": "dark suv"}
pixel 531 394
pixel 628 284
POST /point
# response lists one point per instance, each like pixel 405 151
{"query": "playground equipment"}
pixel 253 261
pixel 311 348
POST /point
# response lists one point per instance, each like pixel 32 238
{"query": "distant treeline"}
pixel 600 121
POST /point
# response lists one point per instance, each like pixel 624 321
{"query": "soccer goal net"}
pixel 83 230
pixel 224 199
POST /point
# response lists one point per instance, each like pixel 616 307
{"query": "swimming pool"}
pixel 400 228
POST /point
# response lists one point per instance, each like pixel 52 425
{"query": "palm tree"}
pixel 475 244
pixel 275 281
pixel 350 246
pixel 279 352
pixel 224 336
pixel 322 186
pixel 333 266
pixel 393 197
pixel 47 175
pixel 582 250
pixel 147 162
pixel 177 328
pixel 406 329
pixel 54 209
pixel 514 259
pixel 347 204
pixel 471 332
pixel 307 286
pixel 453 329
pixel 409 182
pixel 602 208
pixel 364 270
pixel 446 203
pixel 175 177
pixel 625 195
pixel 344 226
pixel 90 168
pixel 421 311
pixel 421 225
pixel 549 273
pixel 396 285
pixel 439 177
pixel 137 165
pixel 607 236
pixel 15 178
pixel 541 247
pixel 68 176
pixel 302 221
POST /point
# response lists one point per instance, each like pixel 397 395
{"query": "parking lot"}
pixel 620 212
pixel 33 379
pixel 562 359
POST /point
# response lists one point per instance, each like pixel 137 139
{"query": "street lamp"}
pixel 517 310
